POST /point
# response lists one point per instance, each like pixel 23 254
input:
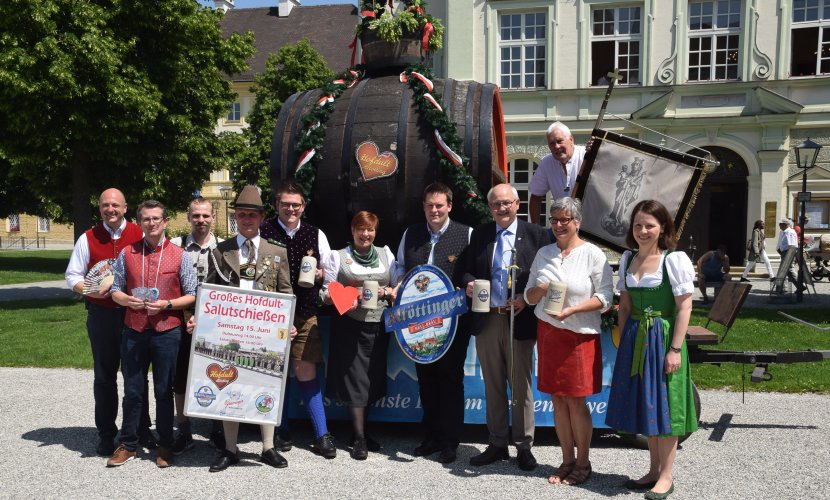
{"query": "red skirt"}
pixel 570 364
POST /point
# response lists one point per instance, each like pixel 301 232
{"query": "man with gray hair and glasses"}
pixel 557 171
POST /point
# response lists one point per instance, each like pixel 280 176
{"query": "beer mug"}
pixel 308 272
pixel 369 295
pixel 481 296
pixel 555 298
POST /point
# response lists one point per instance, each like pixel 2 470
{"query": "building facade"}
pixel 747 80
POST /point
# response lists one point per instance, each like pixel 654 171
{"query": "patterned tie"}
pixel 248 269
pixel 498 281
pixel 249 247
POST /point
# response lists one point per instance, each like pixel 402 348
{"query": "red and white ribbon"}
pixel 325 99
pixel 432 101
pixel 426 81
pixel 403 78
pixel 449 153
pixel 428 30
pixel 304 158
pixel 339 81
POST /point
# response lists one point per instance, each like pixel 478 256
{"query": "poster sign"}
pixel 425 314
pixel 239 356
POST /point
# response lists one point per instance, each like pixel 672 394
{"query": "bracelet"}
pixel 674 349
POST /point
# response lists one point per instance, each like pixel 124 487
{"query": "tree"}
pixel 294 68
pixel 105 93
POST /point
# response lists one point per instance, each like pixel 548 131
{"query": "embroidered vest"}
pixel 304 239
pixel 102 246
pixel 446 252
pixel 168 284
pixel 347 276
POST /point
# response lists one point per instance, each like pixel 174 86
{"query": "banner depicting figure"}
pixel 425 314
pixel 239 357
pixel 620 171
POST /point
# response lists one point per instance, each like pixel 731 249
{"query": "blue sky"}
pixel 243 4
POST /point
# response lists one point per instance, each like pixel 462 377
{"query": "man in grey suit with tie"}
pixel 494 246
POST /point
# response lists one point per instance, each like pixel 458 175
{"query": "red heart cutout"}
pixel 373 164
pixel 221 375
pixel 342 296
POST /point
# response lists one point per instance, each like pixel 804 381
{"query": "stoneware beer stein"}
pixel 369 295
pixel 555 298
pixel 481 296
pixel 308 272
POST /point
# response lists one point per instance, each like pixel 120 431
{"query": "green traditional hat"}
pixel 249 199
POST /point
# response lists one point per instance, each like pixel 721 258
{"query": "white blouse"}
pixel 586 273
pixel 679 267
pixel 331 268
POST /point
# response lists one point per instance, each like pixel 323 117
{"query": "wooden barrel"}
pixel 382 111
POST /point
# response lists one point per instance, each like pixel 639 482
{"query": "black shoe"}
pixel 360 450
pixel 526 459
pixel 183 442
pixel 273 458
pixel 490 455
pixel 427 447
pixel 223 461
pixel 371 444
pixel 635 486
pixel 282 442
pixel 217 439
pixel 448 455
pixel 147 439
pixel 106 446
pixel 324 446
pixel 744 280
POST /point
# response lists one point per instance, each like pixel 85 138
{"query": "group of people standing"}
pixel 651 391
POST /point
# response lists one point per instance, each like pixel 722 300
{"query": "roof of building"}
pixel 329 28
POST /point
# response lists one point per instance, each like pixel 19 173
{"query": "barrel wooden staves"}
pixel 382 111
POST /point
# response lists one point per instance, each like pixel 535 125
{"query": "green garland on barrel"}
pixel 310 143
pixel 456 171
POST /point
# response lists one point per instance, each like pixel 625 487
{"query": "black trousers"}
pixel 441 387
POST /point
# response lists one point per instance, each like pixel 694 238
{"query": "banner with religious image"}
pixel 239 354
pixel 619 171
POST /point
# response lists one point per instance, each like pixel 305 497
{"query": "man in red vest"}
pixel 105 318
pixel 155 281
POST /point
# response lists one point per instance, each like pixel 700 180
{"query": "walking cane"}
pixel 511 280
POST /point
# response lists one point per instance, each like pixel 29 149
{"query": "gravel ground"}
pixel 772 446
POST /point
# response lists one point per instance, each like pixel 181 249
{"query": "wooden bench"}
pixel 723 311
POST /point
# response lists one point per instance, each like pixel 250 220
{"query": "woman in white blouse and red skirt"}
pixel 570 357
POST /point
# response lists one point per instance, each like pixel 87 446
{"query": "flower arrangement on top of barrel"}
pixel 377 134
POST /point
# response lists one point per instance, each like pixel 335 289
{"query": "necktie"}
pixel 249 247
pixel 498 282
pixel 248 269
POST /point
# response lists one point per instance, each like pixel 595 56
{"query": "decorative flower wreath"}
pixel 390 25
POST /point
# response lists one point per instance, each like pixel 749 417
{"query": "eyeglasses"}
pixel 152 220
pixel 501 204
pixel 292 206
pixel 564 221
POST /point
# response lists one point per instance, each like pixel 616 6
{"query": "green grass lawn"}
pixel 29 266
pixel 52 334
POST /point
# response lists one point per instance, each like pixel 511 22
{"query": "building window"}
pixel 13 223
pixel 810 54
pixel 43 225
pixel 234 112
pixel 818 213
pixel 521 171
pixel 616 44
pixel 522 50
pixel 714 38
pixel 232 228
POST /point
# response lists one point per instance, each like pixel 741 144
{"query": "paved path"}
pixel 40 290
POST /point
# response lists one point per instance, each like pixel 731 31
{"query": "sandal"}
pixel 561 473
pixel 578 476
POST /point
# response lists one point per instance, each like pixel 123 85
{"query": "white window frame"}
pixel 803 18
pixel 523 188
pixel 43 224
pixel 522 46
pixel 234 113
pixel 620 39
pixel 715 37
pixel 13 223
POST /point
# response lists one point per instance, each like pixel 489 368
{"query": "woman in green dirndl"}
pixel 651 389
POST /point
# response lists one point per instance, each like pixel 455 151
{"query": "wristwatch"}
pixel 674 349
pixel 169 305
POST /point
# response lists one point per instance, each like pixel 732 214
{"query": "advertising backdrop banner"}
pixel 239 356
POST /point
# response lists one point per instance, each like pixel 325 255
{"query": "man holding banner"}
pixel 505 354
pixel 250 263
pixel 439 242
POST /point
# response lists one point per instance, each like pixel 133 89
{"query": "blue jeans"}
pixel 138 350
pixel 103 326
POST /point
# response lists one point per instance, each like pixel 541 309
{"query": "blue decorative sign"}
pixel 425 314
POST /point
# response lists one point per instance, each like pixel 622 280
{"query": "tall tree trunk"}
pixel 81 192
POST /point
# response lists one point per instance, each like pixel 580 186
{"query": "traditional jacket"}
pixel 272 272
pixel 161 270
pixel 303 243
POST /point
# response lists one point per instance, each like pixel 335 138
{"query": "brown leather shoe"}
pixel 164 457
pixel 121 456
